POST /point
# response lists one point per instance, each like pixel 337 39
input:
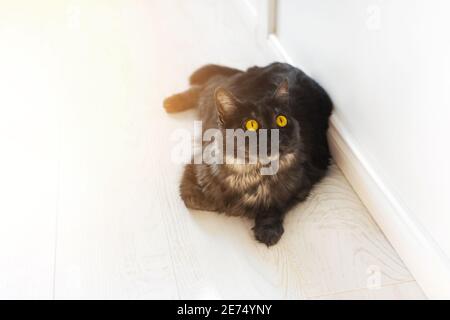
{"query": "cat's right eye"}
pixel 251 125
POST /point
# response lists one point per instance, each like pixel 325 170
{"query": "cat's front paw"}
pixel 269 234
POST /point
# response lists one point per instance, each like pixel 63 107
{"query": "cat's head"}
pixel 271 112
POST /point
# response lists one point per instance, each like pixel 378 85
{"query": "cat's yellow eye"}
pixel 282 121
pixel 251 125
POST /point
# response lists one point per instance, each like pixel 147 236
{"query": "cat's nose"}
pixel 265 140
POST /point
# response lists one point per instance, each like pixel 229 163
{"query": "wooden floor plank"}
pixel 402 291
pixel 29 140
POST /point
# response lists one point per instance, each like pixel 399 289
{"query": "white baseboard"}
pixel 421 254
pixel 278 50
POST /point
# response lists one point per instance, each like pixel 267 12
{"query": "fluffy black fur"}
pixel 304 154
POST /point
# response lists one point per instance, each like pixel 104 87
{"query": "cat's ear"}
pixel 282 92
pixel 226 103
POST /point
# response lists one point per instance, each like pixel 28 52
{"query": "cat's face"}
pixel 272 112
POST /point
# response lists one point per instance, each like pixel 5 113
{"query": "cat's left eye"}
pixel 281 121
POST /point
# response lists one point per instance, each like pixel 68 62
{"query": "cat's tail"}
pixel 188 99
pixel 182 101
pixel 202 75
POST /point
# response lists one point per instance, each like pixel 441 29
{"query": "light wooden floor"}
pixel 90 207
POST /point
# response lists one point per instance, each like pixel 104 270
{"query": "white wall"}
pixel 386 65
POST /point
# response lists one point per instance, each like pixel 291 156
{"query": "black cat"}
pixel 278 96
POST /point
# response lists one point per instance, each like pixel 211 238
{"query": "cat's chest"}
pixel 252 189
pixel 260 195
